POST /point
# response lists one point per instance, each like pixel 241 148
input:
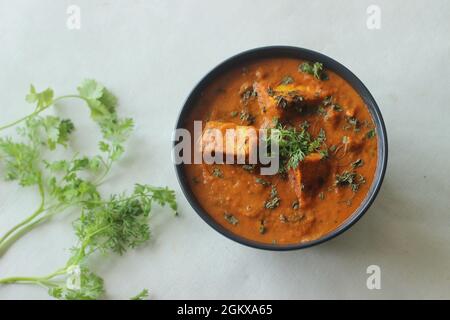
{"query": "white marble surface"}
pixel 151 53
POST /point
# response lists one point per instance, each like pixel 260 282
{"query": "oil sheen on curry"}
pixel 328 151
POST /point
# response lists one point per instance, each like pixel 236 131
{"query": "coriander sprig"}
pixel 315 69
pixel 295 144
pixel 113 225
pixel 61 183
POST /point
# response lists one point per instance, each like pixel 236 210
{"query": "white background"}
pixel 151 54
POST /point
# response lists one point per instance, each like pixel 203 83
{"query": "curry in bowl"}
pixel 327 149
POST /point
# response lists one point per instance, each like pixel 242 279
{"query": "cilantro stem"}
pixel 30 218
pixel 100 179
pixel 46 280
pixel 14 237
pixel 19 232
pixel 38 111
pixel 25 280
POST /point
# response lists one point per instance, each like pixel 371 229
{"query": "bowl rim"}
pixel 329 63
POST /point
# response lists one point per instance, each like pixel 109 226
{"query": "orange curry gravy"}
pixel 236 193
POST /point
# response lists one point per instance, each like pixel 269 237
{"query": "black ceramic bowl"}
pixel 330 64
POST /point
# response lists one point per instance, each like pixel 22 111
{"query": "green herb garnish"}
pixel 247 117
pixel 295 145
pixel 324 153
pixel 262 228
pixel 315 69
pixel 249 167
pixel 357 163
pixel 304 125
pixel 230 218
pixel 248 94
pixel 336 107
pixel 281 102
pixel 321 136
pixel 274 200
pixel 262 181
pixel 217 173
pixel 287 80
pixel 345 139
pixel 354 123
pixel 350 178
pixel 371 133
pixel 272 203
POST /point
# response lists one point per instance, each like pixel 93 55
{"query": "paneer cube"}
pixel 229 139
pixel 309 93
pixel 353 144
pixel 285 95
pixel 308 177
pixel 332 118
pixel 267 104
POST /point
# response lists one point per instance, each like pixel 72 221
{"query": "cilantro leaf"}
pixel 91 89
pixel 141 295
pixel 43 99
pixel 109 100
pixel 121 223
pixel 21 162
pixel 65 128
